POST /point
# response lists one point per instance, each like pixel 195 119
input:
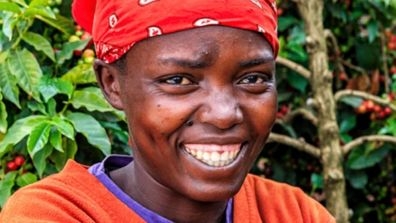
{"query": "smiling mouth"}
pixel 214 155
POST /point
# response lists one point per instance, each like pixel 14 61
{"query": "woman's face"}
pixel 200 105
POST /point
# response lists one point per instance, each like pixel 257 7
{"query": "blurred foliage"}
pixel 363 57
pixel 52 110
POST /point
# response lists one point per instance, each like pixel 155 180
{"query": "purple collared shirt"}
pixel 118 161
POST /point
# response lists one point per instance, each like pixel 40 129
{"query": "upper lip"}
pixel 216 140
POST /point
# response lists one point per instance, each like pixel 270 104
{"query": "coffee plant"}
pixel 50 107
pixel 335 133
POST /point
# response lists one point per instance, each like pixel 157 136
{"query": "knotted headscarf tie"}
pixel 116 25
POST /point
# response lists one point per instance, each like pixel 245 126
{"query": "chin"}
pixel 217 192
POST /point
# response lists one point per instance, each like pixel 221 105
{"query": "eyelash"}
pixel 257 78
pixel 177 80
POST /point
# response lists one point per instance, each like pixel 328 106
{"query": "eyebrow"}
pixel 201 63
pixel 256 62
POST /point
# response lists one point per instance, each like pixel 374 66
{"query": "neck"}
pixel 139 185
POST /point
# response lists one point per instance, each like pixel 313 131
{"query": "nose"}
pixel 221 109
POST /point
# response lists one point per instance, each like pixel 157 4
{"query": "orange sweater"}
pixel 74 195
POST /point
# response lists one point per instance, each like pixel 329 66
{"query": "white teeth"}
pixel 199 154
pixel 234 153
pixel 224 156
pixel 206 156
pixel 214 155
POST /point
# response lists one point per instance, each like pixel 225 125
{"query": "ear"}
pixel 108 79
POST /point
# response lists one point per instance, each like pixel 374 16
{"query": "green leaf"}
pixel 92 99
pixel 50 87
pixel 56 140
pixel 92 130
pixel 392 4
pixel 40 159
pixel 372 28
pixel 361 159
pixel 348 122
pixel 297 37
pixel 337 11
pixel 352 101
pixel 38 3
pixel 38 138
pixel 42 11
pixel 61 23
pixel 284 22
pixel 20 2
pixel 80 74
pixel 316 181
pixel 51 107
pixel 60 158
pixel 390 127
pixel 9 6
pixel 68 48
pixel 39 8
pixel 3 56
pixel 63 127
pixel 298 82
pixel 3 116
pixel 47 88
pixel 26 179
pixel 70 148
pixel 64 87
pixel 116 130
pixel 19 130
pixel 8 24
pixel 35 106
pixel 39 43
pixel 358 179
pixel 26 69
pixel 6 185
pixel 8 85
pixel 345 137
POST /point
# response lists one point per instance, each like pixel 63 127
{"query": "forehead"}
pixel 204 42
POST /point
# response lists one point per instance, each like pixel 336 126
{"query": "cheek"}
pixel 262 113
pixel 159 118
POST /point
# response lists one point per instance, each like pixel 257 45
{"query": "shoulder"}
pixel 265 187
pixel 264 199
pixel 68 196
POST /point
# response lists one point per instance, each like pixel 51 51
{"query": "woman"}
pixel 196 80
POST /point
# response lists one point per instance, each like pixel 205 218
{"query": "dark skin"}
pixel 206 90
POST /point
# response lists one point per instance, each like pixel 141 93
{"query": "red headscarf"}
pixel 116 25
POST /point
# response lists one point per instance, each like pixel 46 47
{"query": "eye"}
pixel 254 79
pixel 256 83
pixel 177 80
pixel 177 84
